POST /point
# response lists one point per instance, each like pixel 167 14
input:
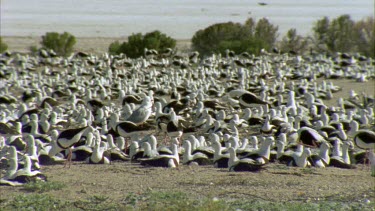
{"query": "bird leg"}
pixel 179 141
pixel 110 158
pixel 177 165
pixel 166 138
pixel 127 145
pixel 69 158
pixel 367 159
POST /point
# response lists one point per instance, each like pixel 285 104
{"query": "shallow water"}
pixel 177 18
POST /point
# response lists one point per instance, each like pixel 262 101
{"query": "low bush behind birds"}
pixel 137 43
pixel 3 45
pixel 62 44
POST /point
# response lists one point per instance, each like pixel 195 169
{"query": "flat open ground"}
pixel 88 44
pixel 120 183
pixel 125 185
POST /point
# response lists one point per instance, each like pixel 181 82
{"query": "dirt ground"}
pixel 277 182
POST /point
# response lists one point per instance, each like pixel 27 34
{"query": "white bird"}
pixel 168 161
pixel 142 113
pixel 66 139
pixel 26 174
pixel 220 160
pixel 245 164
pixel 97 156
pixel 198 158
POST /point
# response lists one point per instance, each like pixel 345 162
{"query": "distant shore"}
pixel 87 44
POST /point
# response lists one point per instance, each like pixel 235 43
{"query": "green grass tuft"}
pixel 97 202
pixel 33 202
pixel 42 186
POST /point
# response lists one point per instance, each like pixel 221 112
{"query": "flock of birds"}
pixel 239 112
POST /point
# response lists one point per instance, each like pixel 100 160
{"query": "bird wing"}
pixel 139 115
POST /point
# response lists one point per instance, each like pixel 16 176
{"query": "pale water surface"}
pixel 177 18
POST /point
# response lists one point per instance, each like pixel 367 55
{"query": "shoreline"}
pixel 87 44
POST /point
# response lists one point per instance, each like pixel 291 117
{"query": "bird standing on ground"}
pixel 66 139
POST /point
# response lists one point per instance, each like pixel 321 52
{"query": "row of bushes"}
pixel 340 34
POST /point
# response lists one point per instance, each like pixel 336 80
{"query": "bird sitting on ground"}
pixel 141 114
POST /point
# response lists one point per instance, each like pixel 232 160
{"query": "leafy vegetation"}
pixel 96 202
pixel 33 49
pixel 3 45
pixel 137 43
pixel 42 186
pixel 114 48
pixel 345 35
pixel 365 34
pixel 33 202
pixel 62 44
pixel 340 34
pixel 250 37
pixel 292 42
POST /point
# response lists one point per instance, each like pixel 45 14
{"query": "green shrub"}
pixel 62 44
pixel 134 47
pixel 3 46
pixel 365 36
pixel 114 47
pixel 33 49
pixel 293 42
pixel 137 43
pixel 219 37
pixel 250 37
pixel 266 32
pixel 344 35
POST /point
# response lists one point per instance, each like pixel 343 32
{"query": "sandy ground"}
pixel 276 183
pixel 87 44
